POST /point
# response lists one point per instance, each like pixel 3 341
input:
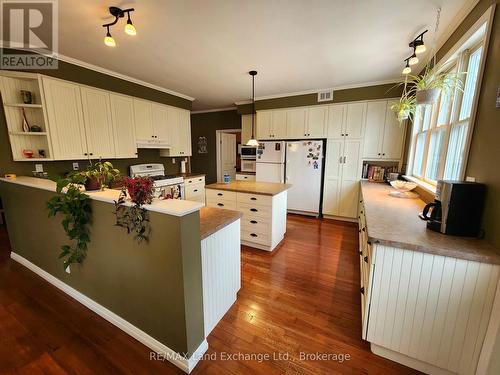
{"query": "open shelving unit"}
pixel 11 84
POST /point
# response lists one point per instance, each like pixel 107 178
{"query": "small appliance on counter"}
pixel 166 187
pixel 457 208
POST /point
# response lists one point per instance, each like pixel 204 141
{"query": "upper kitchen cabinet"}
pixel 384 135
pixel 122 114
pixel 335 121
pixel 263 128
pixel 316 122
pixel 271 124
pixel 296 125
pixel 143 119
pixel 65 118
pixel 162 124
pixel 179 123
pixel 98 124
pixel 346 120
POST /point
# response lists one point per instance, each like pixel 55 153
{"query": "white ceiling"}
pixel 204 48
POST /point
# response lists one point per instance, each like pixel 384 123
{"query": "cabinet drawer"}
pixel 253 236
pixel 255 210
pixel 245 177
pixel 195 180
pixel 255 225
pixel 221 194
pixel 221 203
pixel 255 199
pixel 194 190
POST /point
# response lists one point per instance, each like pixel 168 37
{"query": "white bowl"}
pixel 403 185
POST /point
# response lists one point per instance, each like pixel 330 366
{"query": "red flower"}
pixel 140 189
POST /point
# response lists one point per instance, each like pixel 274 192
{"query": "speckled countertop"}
pixel 214 219
pixel 251 187
pixel 394 222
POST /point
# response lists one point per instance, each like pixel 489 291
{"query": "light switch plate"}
pixel 173 160
pixel 470 179
pixel 39 168
pixel 76 167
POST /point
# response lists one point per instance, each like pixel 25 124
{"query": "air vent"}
pixel 325 96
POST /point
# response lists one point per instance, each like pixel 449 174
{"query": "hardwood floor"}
pixel 303 297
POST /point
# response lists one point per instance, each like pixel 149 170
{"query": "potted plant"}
pixel 428 86
pixel 135 218
pixel 99 175
pixel 405 107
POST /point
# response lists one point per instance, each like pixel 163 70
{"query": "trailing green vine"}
pixel 75 206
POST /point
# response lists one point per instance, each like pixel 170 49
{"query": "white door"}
pixel 394 134
pixel 122 113
pixel 278 124
pixel 263 125
pixel 270 172
pixel 296 123
pixel 334 158
pixel 303 172
pixel 316 121
pixel 64 111
pixel 355 120
pixel 143 121
pixel 98 123
pixel 160 118
pixel 228 155
pixel 335 120
pixel 374 130
pixel 351 161
pixel 271 152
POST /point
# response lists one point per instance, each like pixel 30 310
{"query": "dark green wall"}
pixel 156 286
pixel 339 96
pixel 89 77
pixel 205 125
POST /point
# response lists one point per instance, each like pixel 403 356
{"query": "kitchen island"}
pixel 263 205
pixel 168 292
pixel 429 301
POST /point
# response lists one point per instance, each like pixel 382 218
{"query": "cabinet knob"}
pixel 85 154
pixel 220 194
pixel 342 134
pixel 346 134
pixel 253 221
pixel 253 198
pixel 195 190
pixel 220 204
pixel 91 153
pixel 254 210
pixel 253 235
pixel 383 154
pixel 379 154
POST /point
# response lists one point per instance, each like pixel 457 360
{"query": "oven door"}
pixel 248 165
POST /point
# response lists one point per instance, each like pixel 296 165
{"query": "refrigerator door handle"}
pixel 344 159
pixel 340 160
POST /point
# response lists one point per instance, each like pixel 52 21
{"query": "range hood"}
pixel 152 143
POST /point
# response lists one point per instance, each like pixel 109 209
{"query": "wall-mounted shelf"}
pixel 22 105
pixel 28 133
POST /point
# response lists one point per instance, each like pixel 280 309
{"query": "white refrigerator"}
pixel 303 170
pixel 270 162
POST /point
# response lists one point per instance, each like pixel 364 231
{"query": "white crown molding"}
pixel 214 110
pixel 185 364
pixel 315 91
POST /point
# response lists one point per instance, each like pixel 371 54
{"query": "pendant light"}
pixel 252 141
pixel 407 68
pixel 413 58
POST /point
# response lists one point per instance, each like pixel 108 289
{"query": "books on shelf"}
pixel 377 172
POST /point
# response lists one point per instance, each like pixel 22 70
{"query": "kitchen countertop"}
pixel 251 187
pixel 174 207
pixel 394 222
pixel 191 175
pixel 214 219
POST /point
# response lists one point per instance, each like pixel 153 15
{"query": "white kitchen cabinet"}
pixel 65 118
pixel 246 128
pixel 143 120
pixel 351 161
pixel 245 177
pixel 348 202
pixel 279 124
pixel 161 129
pixel 334 157
pixel 316 121
pixel 335 121
pixel 122 114
pixel 179 125
pixel 346 120
pixel 98 124
pixel 384 137
pixel 331 196
pixel 296 126
pixel 263 125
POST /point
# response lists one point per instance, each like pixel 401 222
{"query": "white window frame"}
pixel 458 54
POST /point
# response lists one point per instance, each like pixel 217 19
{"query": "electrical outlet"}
pixel 470 179
pixel 173 160
pixel 39 168
pixel 76 167
pixel 68 270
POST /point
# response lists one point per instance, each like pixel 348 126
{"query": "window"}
pixel 440 131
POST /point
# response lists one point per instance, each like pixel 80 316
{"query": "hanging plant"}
pixel 75 206
pixel 135 218
pixel 404 108
pixel 429 85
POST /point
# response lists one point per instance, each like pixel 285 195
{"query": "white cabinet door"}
pixel 374 129
pixel 143 120
pixel 316 122
pixel 185 132
pixel 296 123
pixel 349 192
pixel 278 125
pixel 263 125
pixel 64 111
pixel 355 120
pixel 334 158
pixel 351 163
pixel 394 135
pixel 98 123
pixel 246 128
pixel 335 121
pixel 161 129
pixel 122 114
pixel 331 197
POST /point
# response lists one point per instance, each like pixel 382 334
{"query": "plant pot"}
pixel 403 114
pixel 427 96
pixel 92 184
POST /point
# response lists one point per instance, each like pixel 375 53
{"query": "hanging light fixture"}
pixel 252 141
pixel 407 68
pixel 129 27
pixel 418 44
pixel 413 59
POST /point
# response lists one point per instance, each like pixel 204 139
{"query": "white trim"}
pixel 315 91
pixel 175 358
pixel 215 110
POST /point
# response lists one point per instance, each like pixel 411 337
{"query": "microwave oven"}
pixel 248 152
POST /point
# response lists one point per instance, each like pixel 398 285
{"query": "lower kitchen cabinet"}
pixel 195 189
pixel 245 177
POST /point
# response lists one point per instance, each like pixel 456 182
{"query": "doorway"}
pixel 228 157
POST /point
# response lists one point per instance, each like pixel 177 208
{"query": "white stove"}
pixel 166 187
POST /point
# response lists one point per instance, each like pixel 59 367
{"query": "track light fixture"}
pixel 418 44
pixel 129 27
pixel 413 59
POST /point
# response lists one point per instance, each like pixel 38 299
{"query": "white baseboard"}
pixel 256 246
pixel 185 364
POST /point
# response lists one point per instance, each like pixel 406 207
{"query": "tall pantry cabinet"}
pixel 345 132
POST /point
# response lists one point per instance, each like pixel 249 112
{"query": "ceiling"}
pixel 204 48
